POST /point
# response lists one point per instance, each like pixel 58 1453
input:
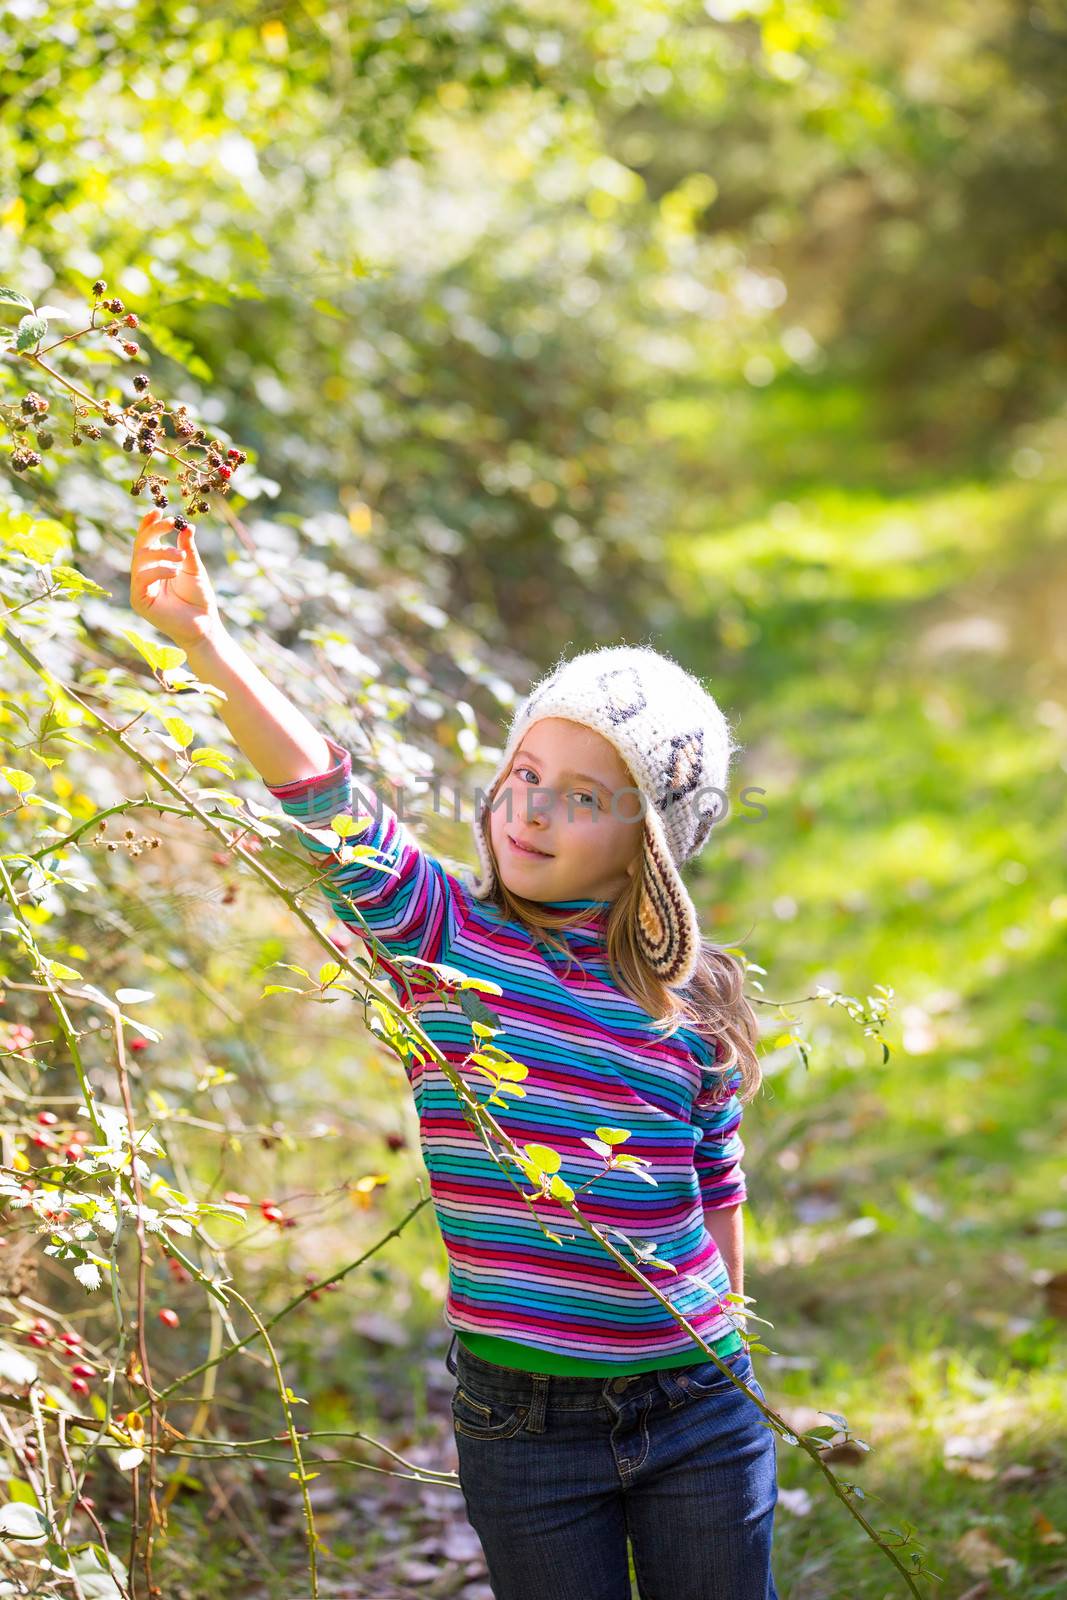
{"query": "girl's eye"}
pixel 589 799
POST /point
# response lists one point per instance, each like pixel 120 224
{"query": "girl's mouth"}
pixel 528 850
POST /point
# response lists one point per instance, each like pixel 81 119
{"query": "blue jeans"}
pixel 557 1473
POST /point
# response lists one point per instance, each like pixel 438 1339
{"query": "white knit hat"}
pixel 676 743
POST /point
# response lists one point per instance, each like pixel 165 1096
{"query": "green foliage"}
pixel 734 326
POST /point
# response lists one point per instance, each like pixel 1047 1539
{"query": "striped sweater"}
pixel 594 1059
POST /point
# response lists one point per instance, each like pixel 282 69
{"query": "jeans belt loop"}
pixel 535 1422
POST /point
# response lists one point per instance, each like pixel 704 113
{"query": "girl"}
pixel 586 1420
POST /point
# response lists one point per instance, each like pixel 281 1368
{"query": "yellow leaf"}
pixel 613 1135
pixel 20 781
pixel 179 730
pixel 158 656
pixel 543 1158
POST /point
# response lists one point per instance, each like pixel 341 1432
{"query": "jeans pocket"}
pixel 486 1418
pixel 706 1378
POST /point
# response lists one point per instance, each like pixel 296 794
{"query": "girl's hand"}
pixel 171 588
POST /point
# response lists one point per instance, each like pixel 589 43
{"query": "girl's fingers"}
pixel 154 527
pixel 151 573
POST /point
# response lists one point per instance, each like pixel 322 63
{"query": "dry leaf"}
pixel 979 1553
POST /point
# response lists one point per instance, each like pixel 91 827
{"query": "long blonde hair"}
pixel 712 1003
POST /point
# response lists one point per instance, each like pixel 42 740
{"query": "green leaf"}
pixel 70 581
pixel 18 1521
pixel 15 299
pixel 31 330
pixel 159 657
pixel 41 539
pixel 59 969
pixel 208 756
pixel 346 826
pixel 476 1010
pixel 180 732
pixel 543 1158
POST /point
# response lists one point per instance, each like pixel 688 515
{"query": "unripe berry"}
pixel 131 320
pixel 225 472
pixel 130 348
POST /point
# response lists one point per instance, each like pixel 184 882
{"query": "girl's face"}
pixel 570 797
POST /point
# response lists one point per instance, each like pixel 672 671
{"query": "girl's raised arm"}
pixel 408 907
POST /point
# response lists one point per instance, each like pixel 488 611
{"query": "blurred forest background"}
pixel 737 328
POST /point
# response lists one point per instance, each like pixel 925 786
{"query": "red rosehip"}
pixel 71 1338
pixel 47 1119
pixel 79 1386
pixel 139 1044
pixel 170 1317
pixel 271 1213
pixel 73 1152
pixel 38 1339
pixel 43 1140
pixel 42 1325
pixel 82 1371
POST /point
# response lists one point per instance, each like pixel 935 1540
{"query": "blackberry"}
pixel 98 287
pixel 141 383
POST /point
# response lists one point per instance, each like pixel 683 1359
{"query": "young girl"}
pixel 586 1420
